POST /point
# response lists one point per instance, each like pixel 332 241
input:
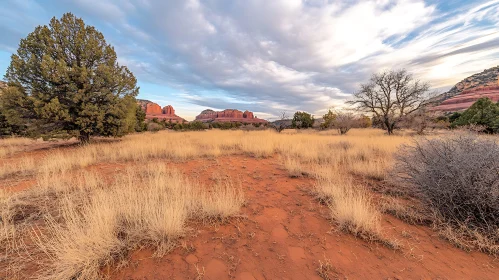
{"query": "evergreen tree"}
pixel 483 112
pixel 4 124
pixel 329 119
pixel 65 81
pixel 302 120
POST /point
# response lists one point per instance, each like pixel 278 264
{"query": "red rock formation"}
pixel 154 111
pixel 168 110
pixel 152 108
pixel 466 92
pixel 465 99
pixel 228 115
pixel 248 114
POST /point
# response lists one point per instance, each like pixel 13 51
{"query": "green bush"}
pixel 178 126
pixel 302 120
pixel 154 127
pixel 196 125
pixel 483 112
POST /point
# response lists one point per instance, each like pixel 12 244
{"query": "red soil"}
pixel 283 233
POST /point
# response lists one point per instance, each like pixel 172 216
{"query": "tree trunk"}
pixel 84 138
pixel 389 126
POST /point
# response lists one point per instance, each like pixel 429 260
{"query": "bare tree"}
pixel 390 96
pixel 423 120
pixel 345 121
pixel 281 123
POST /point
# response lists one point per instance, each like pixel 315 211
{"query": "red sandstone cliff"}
pixel 228 115
pixel 153 110
pixel 465 93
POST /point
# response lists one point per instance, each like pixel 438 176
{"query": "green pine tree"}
pixel 65 81
pixel 302 120
pixel 329 119
pixel 483 112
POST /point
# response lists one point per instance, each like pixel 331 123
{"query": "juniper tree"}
pixel 302 120
pixel 484 113
pixel 329 119
pixel 65 80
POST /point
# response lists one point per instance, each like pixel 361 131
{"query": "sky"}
pixel 273 56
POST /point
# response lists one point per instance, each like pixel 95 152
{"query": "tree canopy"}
pixel 302 120
pixel 65 81
pixel 483 112
pixel 329 119
pixel 344 121
pixel 390 96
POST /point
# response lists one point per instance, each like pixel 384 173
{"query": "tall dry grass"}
pixel 363 152
pixel 85 223
pixel 9 146
pixel 351 207
pixel 89 223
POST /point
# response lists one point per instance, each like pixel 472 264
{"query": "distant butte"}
pixel 154 111
pixel 465 99
pixel 228 115
pixel 460 97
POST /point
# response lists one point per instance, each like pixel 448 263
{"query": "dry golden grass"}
pixel 405 211
pixel 89 223
pixel 224 200
pixel 10 146
pixel 23 166
pixel 325 269
pixel 293 166
pixel 86 224
pixel 467 239
pixel 363 152
pixel 351 206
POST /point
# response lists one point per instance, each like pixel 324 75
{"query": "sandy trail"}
pixel 285 233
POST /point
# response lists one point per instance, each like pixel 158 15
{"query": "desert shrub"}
pixel 483 112
pixel 365 121
pixel 196 125
pixel 178 126
pixel 424 120
pixel 154 127
pixel 344 121
pixel 454 116
pixel 227 125
pixel 457 177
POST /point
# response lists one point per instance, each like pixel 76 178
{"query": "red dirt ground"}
pixel 283 233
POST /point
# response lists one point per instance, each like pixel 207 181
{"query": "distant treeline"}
pixel 157 124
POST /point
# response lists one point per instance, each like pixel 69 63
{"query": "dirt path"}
pixel 285 233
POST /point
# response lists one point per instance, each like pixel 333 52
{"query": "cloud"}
pixel 270 56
